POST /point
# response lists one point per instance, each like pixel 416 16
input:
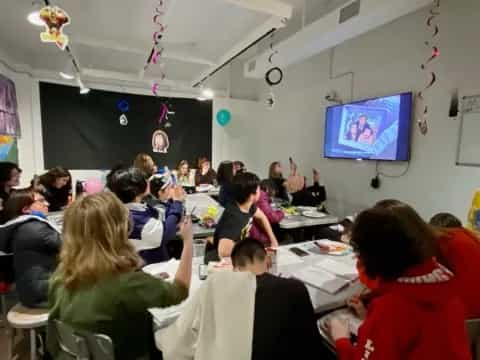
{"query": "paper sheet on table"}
pixel 285 257
pixel 169 267
pixel 321 279
pixel 354 322
pixel 347 271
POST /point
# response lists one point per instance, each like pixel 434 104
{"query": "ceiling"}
pixel 112 38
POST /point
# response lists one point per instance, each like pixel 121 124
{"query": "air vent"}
pixel 350 11
pixel 252 65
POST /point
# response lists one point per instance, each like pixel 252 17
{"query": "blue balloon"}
pixel 224 117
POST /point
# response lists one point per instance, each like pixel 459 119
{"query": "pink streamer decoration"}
pixel 434 12
pixel 163 113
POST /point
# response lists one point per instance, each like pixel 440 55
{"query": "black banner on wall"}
pixel 84 131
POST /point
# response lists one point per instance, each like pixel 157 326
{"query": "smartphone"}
pixel 203 271
pixel 299 252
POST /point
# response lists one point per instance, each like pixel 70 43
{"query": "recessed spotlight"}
pixel 201 98
pixel 84 90
pixel 66 76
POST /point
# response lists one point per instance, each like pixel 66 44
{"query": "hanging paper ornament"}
pixel 55 19
pixel 124 107
pixel 224 117
pixel 273 76
pixel 271 100
pixel 123 120
pixel 168 125
pixel 160 142
pixel 422 120
pixel 163 113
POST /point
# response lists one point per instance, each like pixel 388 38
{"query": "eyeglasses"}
pixel 42 201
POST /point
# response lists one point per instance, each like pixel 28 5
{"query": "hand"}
pixel 356 304
pixel 293 167
pixel 186 230
pixel 338 328
pixel 316 176
pixel 178 194
pixel 274 243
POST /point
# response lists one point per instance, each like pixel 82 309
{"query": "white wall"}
pixel 384 61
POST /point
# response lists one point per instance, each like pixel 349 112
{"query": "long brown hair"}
pixel 95 241
pixel 141 162
pixel 49 178
pixel 18 200
pixel 271 170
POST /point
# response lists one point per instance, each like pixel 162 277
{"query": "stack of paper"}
pixel 328 275
pixel 344 270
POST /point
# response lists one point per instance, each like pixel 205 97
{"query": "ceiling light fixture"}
pixel 201 98
pixel 207 93
pixel 84 90
pixel 66 76
pixel 34 15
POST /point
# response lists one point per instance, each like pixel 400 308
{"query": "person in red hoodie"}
pixel 459 250
pixel 415 314
pixel 267 191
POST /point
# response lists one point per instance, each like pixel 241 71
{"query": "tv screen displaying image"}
pixel 374 129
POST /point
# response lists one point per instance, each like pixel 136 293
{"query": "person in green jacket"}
pixel 98 286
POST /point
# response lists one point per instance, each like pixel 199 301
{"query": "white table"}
pixel 321 300
pixel 199 203
pixel 300 221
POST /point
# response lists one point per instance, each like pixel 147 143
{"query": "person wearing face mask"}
pixel 34 242
pixel 57 183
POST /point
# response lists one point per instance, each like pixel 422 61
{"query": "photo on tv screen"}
pixel 375 129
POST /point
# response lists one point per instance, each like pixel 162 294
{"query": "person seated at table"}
pixel 205 175
pixel 416 313
pixel 98 286
pixel 267 191
pixel 183 175
pixel 168 200
pixel 445 220
pixel 225 175
pixel 235 223
pixel 34 242
pixel 301 195
pixel 9 179
pixel 111 176
pixel 459 250
pixel 145 163
pixel 280 324
pixel 147 231
pixel 275 174
pixel 57 183
pixel 239 167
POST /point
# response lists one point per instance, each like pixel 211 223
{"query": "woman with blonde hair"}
pixel 145 163
pixel 97 286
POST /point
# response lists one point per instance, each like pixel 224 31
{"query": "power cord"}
pixel 375 182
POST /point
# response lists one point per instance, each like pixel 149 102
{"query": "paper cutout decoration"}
pixel 160 142
pixel 8 149
pixel 422 119
pixel 55 19
pixel 224 117
pixel 124 107
pixel 9 120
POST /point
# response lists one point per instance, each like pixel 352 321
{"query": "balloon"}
pixel 224 117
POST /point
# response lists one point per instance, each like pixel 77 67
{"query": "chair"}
pixel 6 281
pixel 21 317
pixel 473 328
pixel 80 344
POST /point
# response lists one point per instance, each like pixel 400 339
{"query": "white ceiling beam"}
pixel 253 36
pixel 270 7
pixel 167 54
